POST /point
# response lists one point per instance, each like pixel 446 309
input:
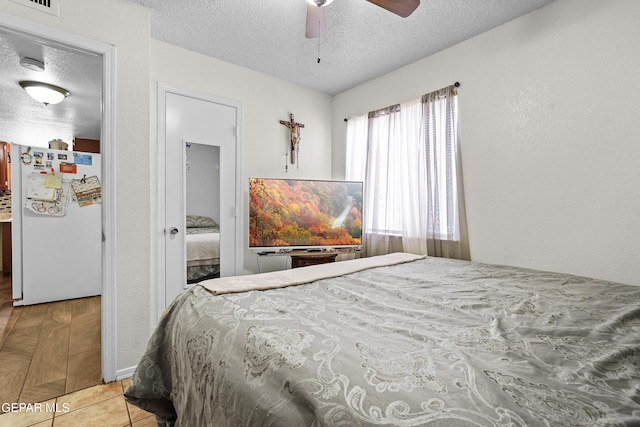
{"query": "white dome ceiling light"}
pixel 44 92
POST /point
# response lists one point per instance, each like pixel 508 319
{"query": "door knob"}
pixel 173 230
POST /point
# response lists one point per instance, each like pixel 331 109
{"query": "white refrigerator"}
pixel 57 225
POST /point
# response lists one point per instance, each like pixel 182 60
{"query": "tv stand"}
pixel 303 259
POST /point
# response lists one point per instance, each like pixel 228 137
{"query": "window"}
pixel 407 155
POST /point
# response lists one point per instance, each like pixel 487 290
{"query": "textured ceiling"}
pixel 362 40
pixel 28 122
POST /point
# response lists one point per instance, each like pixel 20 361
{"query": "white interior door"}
pixel 192 120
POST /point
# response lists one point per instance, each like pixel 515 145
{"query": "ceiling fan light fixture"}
pixel 44 92
pixel 320 3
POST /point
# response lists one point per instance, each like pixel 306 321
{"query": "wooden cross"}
pixel 294 136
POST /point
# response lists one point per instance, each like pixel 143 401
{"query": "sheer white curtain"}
pixel 414 180
pixel 447 234
pixel 357 134
pixel 380 219
pixel 372 163
pixel 409 160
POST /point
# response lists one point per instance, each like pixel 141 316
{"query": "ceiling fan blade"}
pixel 401 8
pixel 316 22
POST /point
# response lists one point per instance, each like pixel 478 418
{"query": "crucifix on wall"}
pixel 294 136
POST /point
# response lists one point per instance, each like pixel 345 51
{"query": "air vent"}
pixel 52 7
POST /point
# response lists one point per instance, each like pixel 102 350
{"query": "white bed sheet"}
pixel 203 246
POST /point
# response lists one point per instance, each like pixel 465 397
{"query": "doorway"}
pixel 48 38
pixel 196 190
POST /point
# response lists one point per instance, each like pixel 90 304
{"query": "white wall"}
pixel 127 26
pixel 265 101
pixel 548 128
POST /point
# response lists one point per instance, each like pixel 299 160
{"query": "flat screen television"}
pixel 296 214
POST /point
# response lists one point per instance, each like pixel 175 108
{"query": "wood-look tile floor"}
pixel 47 350
pixel 100 406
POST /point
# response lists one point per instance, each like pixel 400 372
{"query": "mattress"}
pixel 426 342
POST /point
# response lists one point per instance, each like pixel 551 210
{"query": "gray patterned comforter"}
pixel 432 342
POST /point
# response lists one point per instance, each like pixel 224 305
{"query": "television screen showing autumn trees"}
pixel 286 212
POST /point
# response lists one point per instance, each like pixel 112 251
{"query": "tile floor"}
pixel 50 350
pixel 100 406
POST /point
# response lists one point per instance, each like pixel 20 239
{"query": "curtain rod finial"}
pixel 457 84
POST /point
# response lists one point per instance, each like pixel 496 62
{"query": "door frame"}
pixel 163 90
pixel 31 29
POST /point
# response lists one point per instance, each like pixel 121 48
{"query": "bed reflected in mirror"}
pixel 203 212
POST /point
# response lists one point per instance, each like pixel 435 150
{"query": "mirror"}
pixel 203 211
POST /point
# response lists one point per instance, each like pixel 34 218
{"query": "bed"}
pixel 396 340
pixel 203 248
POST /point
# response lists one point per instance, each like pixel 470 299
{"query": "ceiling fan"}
pixel 317 24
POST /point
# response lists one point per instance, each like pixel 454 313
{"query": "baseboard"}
pixel 125 373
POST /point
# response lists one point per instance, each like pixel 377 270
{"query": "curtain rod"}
pixel 456 84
